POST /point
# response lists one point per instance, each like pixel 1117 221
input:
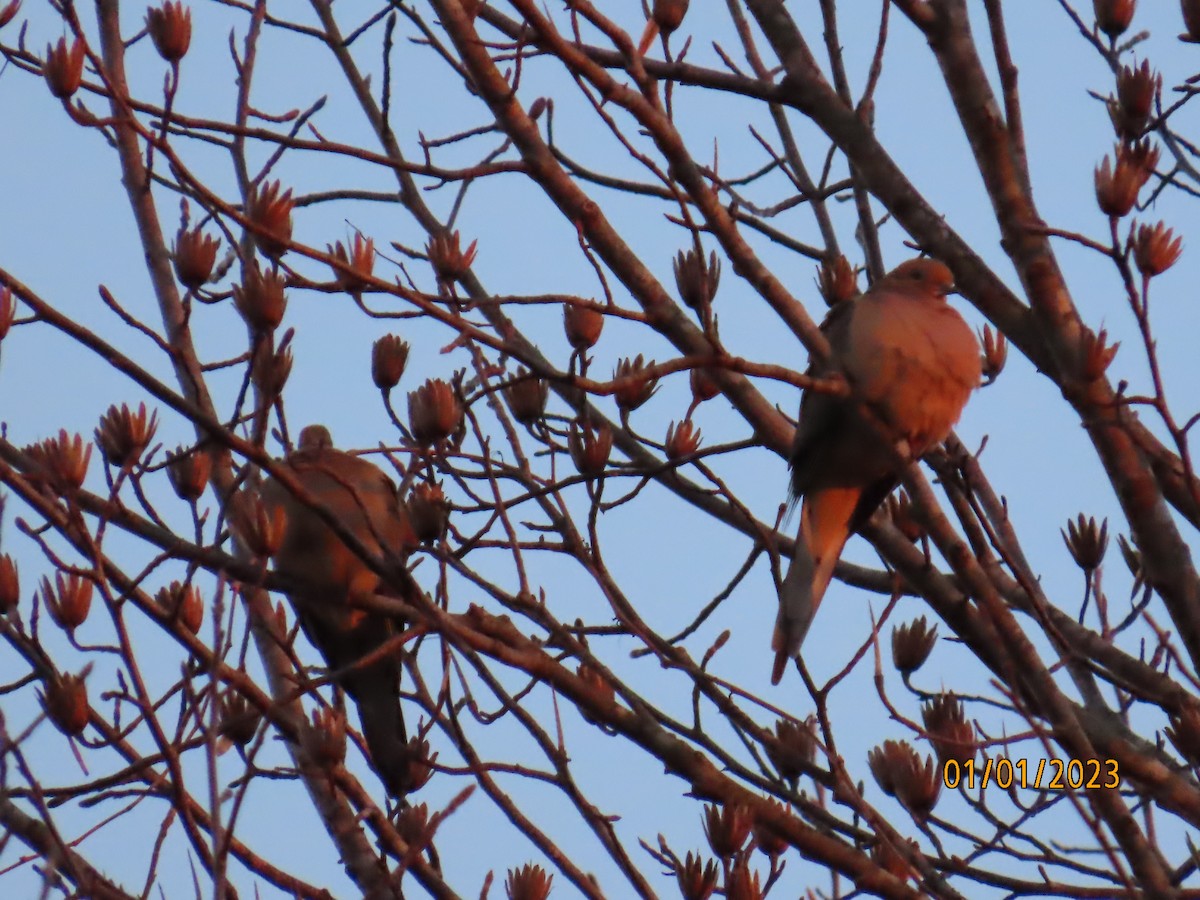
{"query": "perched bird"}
pixel 364 499
pixel 914 361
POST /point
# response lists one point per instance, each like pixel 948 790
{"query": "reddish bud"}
pixel 389 356
pixel 952 736
pixel 704 387
pixel 1113 16
pixel 793 747
pixel 583 326
pixel 837 281
pixel 697 878
pixel 261 299
pixel 742 883
pixel 270 211
pixel 10 585
pixel 258 526
pixel 682 440
pixel 637 385
pixel 900 772
pixel 911 645
pixel 727 827
pixel 325 739
pixel 428 512
pixel 61 461
pixel 63 69
pixel 183 603
pixel 9 12
pixel 695 279
pixel 900 509
pixel 8 311
pixel 194 257
pixel 434 412
pixel 1117 187
pixel 270 369
pixel 1156 249
pixel 1136 89
pixel 123 435
pixel 590 447
pixel 68 600
pixel 1086 542
pixel 526 397
pixel 170 27
pixel 1097 354
pixel 360 260
pixel 66 704
pixel 449 262
pixel 189 473
pixel 529 882
pixel 995 353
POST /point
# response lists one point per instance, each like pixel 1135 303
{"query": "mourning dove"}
pixel 364 500
pixel 914 361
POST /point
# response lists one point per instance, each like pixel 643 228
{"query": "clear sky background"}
pixel 67 228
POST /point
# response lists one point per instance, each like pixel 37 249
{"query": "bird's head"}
pixel 925 276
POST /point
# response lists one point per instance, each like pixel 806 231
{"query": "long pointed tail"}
pixel 378 702
pixel 824 529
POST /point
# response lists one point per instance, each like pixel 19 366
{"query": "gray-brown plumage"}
pixel 913 359
pixel 365 501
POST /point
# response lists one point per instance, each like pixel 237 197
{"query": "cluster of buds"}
pixel 62 461
pixel 995 353
pixel 237 719
pixel 529 882
pixel 793 748
pixel 270 369
pixel 389 356
pixel 66 704
pixel 526 397
pixel 189 472
pixel 63 68
pixel 697 878
pixel 912 643
pixel 590 446
pixel 727 827
pixel 10 585
pixel 697 280
pixel 434 412
pixel 582 325
pixel 123 435
pixel 1155 249
pixel 1113 16
pixel 637 385
pixel 1086 541
pixel 194 256
pixel 357 263
pixel 682 440
pixel 837 281
pixel 449 262
pixel 259 526
pixel 901 773
pixel 9 12
pixel 1137 88
pixel 182 603
pixel 1118 186
pixel 742 882
pixel 952 736
pixel 1189 8
pixel 428 512
pixel 68 600
pixel 261 299
pixel 270 211
pixel 170 27
pixel 8 310
pixel 1097 353
pixel 325 739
